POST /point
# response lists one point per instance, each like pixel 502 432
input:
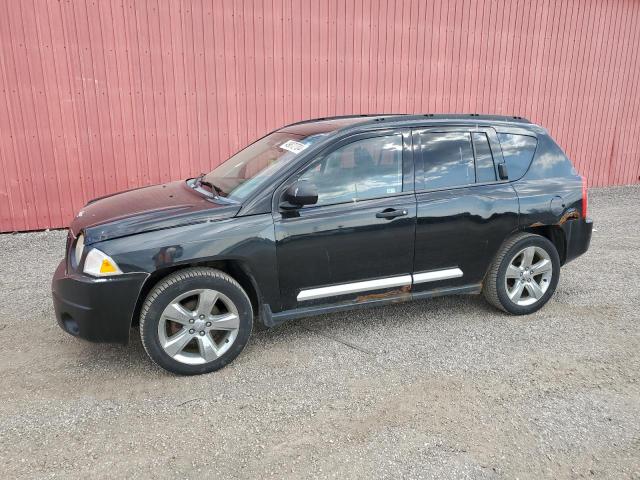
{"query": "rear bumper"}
pixel 99 310
pixel 578 235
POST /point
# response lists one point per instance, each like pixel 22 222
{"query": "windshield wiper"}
pixel 199 181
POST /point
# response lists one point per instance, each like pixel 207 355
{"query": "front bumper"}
pixel 96 309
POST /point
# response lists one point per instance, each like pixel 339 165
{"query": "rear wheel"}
pixel 195 321
pixel 523 275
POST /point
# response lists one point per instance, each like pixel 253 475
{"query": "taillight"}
pixel 585 197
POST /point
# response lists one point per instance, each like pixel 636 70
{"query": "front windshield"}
pixel 249 169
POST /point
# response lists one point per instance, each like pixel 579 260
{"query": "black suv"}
pixel 320 216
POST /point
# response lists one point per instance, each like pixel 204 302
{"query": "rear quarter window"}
pixel 517 151
pixel 550 161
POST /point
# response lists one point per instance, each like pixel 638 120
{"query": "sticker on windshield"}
pixel 293 146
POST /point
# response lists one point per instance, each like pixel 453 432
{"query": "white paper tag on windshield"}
pixel 293 146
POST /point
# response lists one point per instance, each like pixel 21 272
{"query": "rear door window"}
pixel 517 151
pixel 447 159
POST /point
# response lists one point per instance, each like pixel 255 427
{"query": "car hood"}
pixel 148 208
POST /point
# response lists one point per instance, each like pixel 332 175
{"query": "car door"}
pixel 465 211
pixel 358 239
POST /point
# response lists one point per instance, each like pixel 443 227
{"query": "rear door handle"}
pixel 390 213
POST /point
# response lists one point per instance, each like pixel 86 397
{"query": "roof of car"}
pixel 331 124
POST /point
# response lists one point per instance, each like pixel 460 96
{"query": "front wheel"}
pixel 523 275
pixel 195 321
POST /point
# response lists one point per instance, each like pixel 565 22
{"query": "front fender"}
pixel 248 240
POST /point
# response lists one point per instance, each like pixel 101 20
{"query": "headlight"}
pixel 79 249
pixel 99 264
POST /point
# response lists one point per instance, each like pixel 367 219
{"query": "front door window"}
pixel 364 169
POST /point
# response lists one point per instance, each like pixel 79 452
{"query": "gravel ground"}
pixel 445 388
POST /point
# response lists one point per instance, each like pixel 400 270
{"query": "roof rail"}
pixel 341 117
pixel 371 118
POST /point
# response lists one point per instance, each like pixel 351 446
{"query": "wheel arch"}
pixel 555 234
pixel 236 268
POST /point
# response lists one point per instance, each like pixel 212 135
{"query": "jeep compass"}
pixel 319 216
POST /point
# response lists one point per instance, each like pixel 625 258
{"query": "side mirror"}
pixel 502 171
pixel 299 194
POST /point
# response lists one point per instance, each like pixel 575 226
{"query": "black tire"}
pixel 172 287
pixel 494 287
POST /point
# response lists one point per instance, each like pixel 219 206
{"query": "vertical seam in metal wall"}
pixel 611 79
pixel 102 188
pixel 603 144
pixel 632 81
pixel 14 139
pixel 34 172
pixel 113 159
pixel 54 155
pixel 574 149
pixel 591 106
pixel 621 81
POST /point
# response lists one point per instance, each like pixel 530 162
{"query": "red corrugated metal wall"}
pixel 100 96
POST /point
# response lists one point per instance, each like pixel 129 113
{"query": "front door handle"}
pixel 390 213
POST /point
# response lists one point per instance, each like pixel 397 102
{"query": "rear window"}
pixel 517 151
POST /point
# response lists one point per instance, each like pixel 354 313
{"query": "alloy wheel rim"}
pixel 528 276
pixel 198 326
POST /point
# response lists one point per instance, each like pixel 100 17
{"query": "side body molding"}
pixel 378 283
